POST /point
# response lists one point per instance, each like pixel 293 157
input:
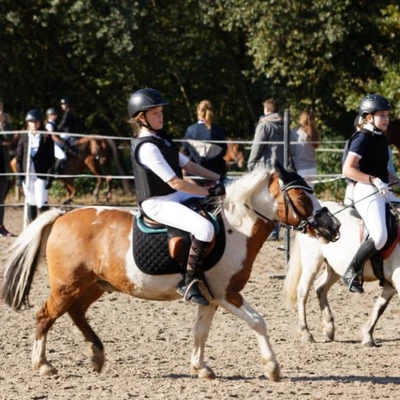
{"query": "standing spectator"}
pixel 306 138
pixel 269 129
pixel 198 147
pixel 59 145
pixel 41 161
pixel 5 125
pixel 263 155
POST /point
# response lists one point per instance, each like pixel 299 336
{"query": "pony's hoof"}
pixel 47 370
pixel 98 362
pixel 96 358
pixel 272 371
pixel 203 373
pixel 307 338
pixel 369 343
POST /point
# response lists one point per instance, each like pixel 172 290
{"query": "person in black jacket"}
pixel 4 165
pixel 38 148
pixel 199 146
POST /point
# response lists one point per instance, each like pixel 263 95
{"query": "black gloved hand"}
pixel 217 190
pixel 18 182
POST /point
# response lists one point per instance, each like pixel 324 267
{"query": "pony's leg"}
pixel 70 189
pixel 257 323
pixel 108 181
pixel 60 300
pixel 201 329
pixel 303 289
pixel 92 164
pixel 322 286
pixel 380 305
pixel 77 312
pixel 45 319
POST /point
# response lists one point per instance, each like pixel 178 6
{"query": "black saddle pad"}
pixel 151 252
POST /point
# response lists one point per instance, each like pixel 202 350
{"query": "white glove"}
pixel 382 187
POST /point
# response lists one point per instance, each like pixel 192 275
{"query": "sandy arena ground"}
pixel 148 346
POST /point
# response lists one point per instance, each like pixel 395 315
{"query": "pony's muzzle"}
pixel 326 224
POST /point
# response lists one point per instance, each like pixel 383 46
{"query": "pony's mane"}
pixel 238 196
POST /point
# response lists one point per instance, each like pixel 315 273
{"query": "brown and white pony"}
pixel 90 251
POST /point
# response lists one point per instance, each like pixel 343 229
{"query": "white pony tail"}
pixel 23 259
pixel 293 273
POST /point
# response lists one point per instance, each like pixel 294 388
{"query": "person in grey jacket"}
pixel 269 129
pixel 263 155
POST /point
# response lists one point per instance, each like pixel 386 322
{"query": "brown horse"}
pixel 91 250
pixel 92 154
pixel 234 156
pixel 393 134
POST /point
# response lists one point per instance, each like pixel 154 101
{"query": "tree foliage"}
pixel 326 54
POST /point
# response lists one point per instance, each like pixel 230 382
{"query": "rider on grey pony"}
pixel 367 165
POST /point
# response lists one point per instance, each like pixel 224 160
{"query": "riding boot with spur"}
pixel 353 276
pixel 189 288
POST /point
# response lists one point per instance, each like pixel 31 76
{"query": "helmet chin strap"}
pixel 373 123
pixel 147 124
pixel 372 127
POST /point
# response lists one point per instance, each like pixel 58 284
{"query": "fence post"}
pixel 26 184
pixel 286 160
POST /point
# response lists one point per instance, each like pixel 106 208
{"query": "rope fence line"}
pixel 320 178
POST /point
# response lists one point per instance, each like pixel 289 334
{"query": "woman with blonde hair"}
pixel 306 139
pixel 200 146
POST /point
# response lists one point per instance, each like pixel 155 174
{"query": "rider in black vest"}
pixel 160 189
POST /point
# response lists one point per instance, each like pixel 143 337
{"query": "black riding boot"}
pixel 190 290
pixel 44 208
pixel 55 170
pixel 354 271
pixel 32 213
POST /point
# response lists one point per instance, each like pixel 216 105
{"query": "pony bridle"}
pixel 318 221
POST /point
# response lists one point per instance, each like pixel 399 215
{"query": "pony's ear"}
pixel 285 175
pixel 280 169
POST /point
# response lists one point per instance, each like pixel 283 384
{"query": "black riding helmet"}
pixel 372 103
pixel 143 100
pixel 65 100
pixel 34 115
pixel 51 111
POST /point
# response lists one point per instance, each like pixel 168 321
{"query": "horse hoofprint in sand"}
pixel 89 251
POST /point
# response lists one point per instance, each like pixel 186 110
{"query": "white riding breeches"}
pixel 168 210
pixel 36 193
pixel 372 208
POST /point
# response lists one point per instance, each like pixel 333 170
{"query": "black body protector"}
pixel 148 184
